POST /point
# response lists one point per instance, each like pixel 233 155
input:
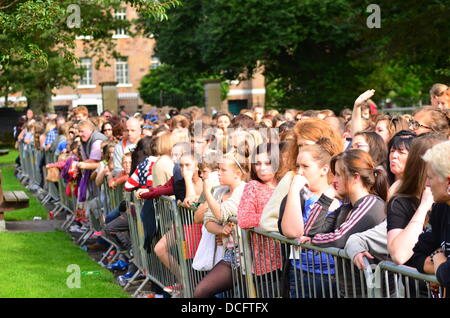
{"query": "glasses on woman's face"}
pixel 414 124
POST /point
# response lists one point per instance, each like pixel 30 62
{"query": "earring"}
pixel 448 190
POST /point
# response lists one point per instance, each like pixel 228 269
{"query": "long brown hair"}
pixel 321 153
pixel 395 123
pixel 378 149
pixel 356 161
pixel 414 175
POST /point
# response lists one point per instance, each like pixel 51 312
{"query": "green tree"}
pixel 164 86
pixel 315 53
pixel 169 86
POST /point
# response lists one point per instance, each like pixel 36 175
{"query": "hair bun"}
pixel 326 144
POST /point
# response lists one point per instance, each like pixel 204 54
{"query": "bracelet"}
pixel 439 250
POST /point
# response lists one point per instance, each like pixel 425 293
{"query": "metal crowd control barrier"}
pixel 145 259
pixel 334 276
pixel 407 282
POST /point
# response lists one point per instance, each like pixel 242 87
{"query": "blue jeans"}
pixel 112 215
pixel 309 282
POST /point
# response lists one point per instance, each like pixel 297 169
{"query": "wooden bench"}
pixel 4 152
pixel 10 201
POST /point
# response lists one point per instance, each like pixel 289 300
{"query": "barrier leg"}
pixel 141 286
pixel 132 279
pixel 105 255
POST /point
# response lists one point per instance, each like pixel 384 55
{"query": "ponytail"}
pixel 374 178
pixel 380 186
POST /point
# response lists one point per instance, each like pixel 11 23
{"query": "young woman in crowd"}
pixel 306 132
pixel 362 186
pixel 266 253
pixel 313 172
pixel 107 130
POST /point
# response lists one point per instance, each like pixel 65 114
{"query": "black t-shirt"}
pixel 400 211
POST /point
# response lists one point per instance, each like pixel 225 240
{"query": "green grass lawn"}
pixel 10 158
pixel 10 183
pixel 35 265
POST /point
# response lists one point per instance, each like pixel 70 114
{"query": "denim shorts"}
pixel 230 257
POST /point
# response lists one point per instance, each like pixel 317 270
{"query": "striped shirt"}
pixel 142 176
pixel 336 228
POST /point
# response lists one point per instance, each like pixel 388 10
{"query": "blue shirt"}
pixel 320 265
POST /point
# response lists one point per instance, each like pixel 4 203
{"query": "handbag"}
pixel 208 252
pixel 52 174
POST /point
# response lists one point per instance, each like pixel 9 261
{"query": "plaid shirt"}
pixel 51 136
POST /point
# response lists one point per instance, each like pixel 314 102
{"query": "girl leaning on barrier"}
pixel 233 173
pixel 311 180
pixel 432 251
pixel 363 186
pixel 306 132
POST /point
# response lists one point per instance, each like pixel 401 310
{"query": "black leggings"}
pixel 218 280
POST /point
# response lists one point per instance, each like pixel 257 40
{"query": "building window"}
pixel 155 63
pixel 121 14
pixel 122 70
pixel 86 77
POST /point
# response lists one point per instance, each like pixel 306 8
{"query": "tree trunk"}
pixel 40 100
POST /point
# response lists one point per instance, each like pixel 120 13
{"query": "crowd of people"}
pixel 376 185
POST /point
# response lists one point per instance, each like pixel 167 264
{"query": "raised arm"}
pixel 357 121
pixel 292 225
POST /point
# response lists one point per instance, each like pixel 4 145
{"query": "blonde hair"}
pixel 241 163
pixel 164 144
pixel 438 89
pixel 438 157
pixel 87 123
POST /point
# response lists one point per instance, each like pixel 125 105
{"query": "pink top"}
pixel 255 197
pixel 58 164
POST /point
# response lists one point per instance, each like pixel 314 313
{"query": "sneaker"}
pixel 76 229
pixel 122 280
pixel 120 265
pixel 173 289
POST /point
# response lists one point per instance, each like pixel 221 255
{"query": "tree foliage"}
pixel 315 53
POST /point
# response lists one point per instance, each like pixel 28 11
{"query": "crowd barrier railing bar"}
pixel 401 277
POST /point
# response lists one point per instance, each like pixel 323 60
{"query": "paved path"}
pixel 33 226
